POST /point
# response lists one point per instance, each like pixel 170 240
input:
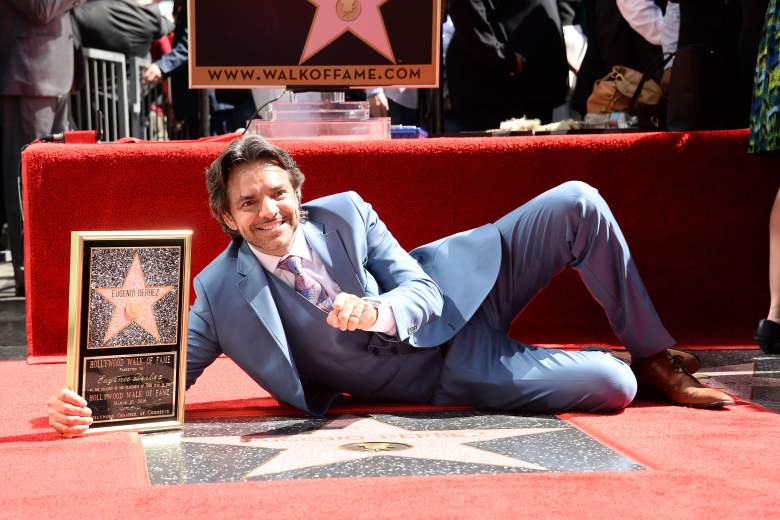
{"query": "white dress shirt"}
pixel 671 33
pixel 644 17
pixel 313 266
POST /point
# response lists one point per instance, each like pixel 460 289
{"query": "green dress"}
pixel 765 111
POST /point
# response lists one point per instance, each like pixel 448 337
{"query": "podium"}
pixel 320 115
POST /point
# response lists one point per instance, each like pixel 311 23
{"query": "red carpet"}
pixel 701 464
pixel 694 208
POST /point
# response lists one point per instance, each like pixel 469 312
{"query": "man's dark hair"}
pixel 245 150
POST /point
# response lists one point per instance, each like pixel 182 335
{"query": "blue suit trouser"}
pixel 570 225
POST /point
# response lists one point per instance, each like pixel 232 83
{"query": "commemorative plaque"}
pixel 127 326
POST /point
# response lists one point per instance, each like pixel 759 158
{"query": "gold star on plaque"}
pixel 133 302
pixel 349 438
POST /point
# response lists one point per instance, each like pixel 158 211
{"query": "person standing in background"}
pixel 765 138
pixel 174 65
pixel 37 61
pixel 125 26
pixel 571 13
pixel 506 59
pixel 626 33
pixel 765 110
pixel 729 31
pixel 229 108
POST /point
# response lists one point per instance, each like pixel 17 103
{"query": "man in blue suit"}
pixel 317 300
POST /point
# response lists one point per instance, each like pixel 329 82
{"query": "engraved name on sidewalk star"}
pixel 133 302
pixel 349 438
pixel 335 17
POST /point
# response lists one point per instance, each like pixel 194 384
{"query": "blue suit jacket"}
pixel 433 291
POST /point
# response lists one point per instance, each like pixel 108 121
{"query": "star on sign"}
pixel 349 438
pixel 335 17
pixel 133 302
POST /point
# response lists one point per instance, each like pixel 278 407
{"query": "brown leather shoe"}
pixel 689 362
pixel 665 375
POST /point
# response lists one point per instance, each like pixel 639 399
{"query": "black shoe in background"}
pixel 768 336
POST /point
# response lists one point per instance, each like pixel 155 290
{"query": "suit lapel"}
pixel 256 291
pixel 254 287
pixel 331 251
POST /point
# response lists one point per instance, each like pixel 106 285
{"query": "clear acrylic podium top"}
pixel 321 115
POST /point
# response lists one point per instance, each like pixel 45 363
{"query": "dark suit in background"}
pixel 36 74
pixel 174 65
pixel 481 61
pixel 121 26
pixel 230 108
pixel 731 31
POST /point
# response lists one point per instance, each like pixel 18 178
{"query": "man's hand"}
pixel 666 80
pixel 152 74
pixel 519 65
pixel 351 313
pixel 378 105
pixel 68 413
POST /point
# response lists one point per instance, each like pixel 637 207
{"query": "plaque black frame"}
pixel 79 355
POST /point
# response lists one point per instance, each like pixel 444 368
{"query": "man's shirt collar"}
pixel 299 248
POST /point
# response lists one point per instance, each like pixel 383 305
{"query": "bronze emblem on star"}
pixel 348 10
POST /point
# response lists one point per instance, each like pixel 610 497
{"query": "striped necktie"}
pixel 306 285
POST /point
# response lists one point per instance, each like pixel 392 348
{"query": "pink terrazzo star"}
pixel 335 17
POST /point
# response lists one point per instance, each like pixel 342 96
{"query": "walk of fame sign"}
pixel 127 326
pixel 318 43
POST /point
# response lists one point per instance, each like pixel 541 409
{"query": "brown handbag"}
pixel 615 92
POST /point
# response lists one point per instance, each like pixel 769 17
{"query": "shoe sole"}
pixel 718 404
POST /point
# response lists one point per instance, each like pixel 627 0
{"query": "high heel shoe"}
pixel 768 336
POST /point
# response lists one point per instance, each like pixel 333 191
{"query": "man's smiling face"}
pixel 262 206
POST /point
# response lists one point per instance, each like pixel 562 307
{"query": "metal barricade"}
pixel 101 103
pixel 148 104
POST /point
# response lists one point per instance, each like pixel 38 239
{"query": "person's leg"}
pixel 768 330
pixel 774 261
pixel 568 225
pixel 487 369
pixel 571 225
pixel 9 154
pixel 23 119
